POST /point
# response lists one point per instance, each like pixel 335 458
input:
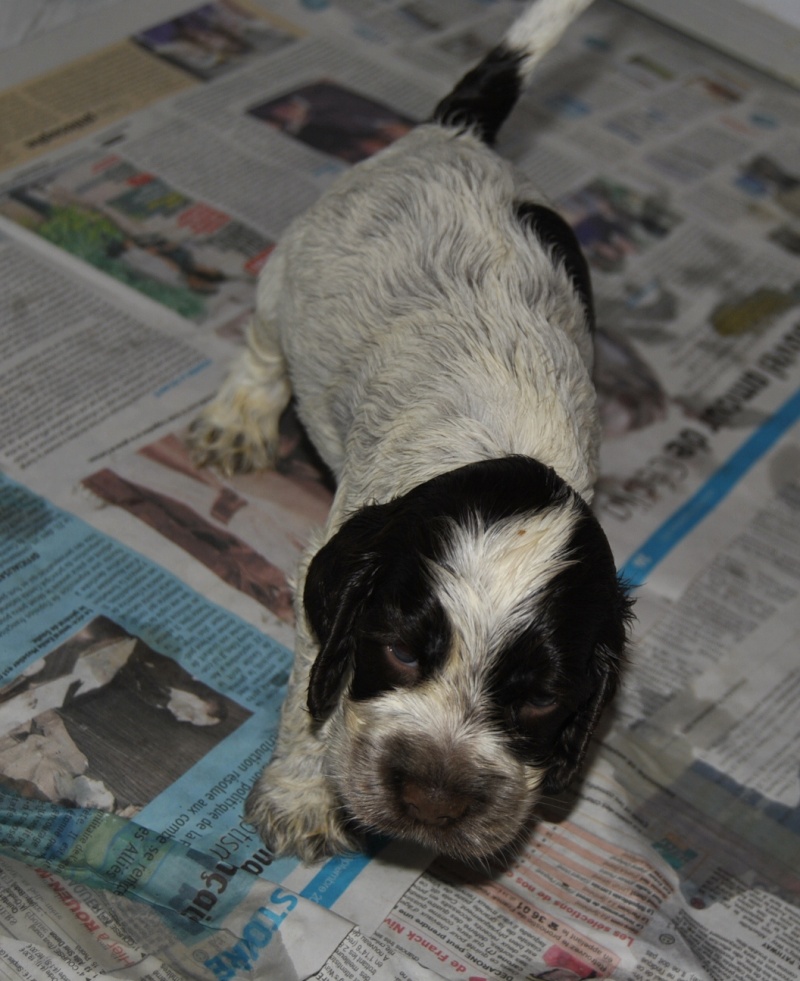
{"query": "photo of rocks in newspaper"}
pixel 248 530
pixel 146 605
pixel 94 696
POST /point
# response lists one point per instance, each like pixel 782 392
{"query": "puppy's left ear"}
pixel 604 669
pixel 339 582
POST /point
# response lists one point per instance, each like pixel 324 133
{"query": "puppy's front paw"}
pixel 238 430
pixel 297 817
pixel 236 435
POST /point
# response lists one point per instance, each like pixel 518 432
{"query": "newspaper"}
pixel 145 606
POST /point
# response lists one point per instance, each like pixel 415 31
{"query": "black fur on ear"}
pixel 389 542
pixel 338 584
pixel 598 607
pixel 342 575
pixel 573 742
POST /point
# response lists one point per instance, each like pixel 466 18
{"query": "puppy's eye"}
pixel 534 708
pixel 402 655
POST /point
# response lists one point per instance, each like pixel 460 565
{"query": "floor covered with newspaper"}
pixel 151 156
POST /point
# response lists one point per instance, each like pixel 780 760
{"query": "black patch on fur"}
pixel 556 235
pixel 485 96
pixel 369 588
pixel 573 651
pixel 369 582
pixel 402 610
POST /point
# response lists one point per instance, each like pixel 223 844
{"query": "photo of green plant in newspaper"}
pixel 105 721
pixel 138 229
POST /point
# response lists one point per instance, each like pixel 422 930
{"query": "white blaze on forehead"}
pixel 489 577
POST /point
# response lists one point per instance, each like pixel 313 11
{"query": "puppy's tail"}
pixel 485 96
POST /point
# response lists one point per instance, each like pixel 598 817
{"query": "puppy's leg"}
pixel 238 430
pixel 293 804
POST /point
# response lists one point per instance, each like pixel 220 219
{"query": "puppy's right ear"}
pixel 339 582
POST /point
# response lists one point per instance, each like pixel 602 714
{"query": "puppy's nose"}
pixel 432 805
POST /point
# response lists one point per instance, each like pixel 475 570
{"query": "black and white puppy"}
pixel 460 624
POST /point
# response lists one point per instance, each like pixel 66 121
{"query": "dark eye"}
pixel 540 701
pixel 402 655
pixel 534 708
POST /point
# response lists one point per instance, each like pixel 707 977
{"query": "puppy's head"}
pixel 470 633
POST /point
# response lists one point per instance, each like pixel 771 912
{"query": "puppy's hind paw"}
pixel 297 820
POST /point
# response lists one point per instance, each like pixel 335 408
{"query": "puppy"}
pixel 460 624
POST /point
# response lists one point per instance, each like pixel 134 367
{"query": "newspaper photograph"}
pixel 151 159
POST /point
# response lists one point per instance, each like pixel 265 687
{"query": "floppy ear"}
pixel 339 582
pixel 605 666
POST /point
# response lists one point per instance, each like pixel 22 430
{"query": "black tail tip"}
pixel 485 96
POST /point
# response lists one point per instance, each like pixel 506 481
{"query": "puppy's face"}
pixel 470 634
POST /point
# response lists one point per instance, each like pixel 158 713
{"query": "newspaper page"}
pixel 147 604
